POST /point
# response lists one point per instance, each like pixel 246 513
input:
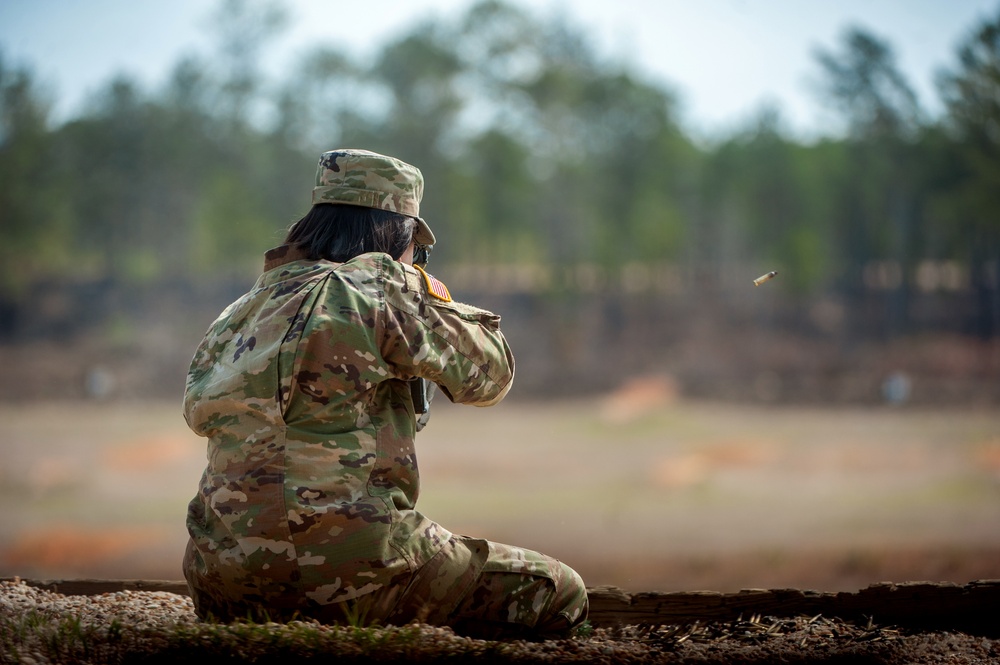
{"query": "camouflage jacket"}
pixel 301 388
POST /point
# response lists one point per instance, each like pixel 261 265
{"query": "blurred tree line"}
pixel 569 170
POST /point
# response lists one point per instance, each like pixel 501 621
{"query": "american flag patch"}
pixel 435 287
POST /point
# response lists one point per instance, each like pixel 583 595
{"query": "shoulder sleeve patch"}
pixel 434 286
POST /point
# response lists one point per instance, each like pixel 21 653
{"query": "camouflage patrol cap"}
pixel 364 178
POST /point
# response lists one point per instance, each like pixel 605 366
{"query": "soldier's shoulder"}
pixel 434 292
pixel 371 261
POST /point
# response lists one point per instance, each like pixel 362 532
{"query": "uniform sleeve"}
pixel 457 346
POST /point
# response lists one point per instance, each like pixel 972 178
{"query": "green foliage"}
pixel 536 151
pixel 973 97
pixel 864 83
pixel 231 223
pixel 29 217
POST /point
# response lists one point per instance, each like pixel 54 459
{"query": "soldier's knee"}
pixel 570 604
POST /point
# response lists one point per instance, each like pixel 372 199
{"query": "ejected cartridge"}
pixel 763 278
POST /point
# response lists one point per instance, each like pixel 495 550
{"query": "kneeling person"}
pixel 309 389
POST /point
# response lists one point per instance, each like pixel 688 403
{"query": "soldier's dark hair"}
pixel 337 232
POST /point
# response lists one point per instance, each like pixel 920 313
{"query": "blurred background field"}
pixel 648 493
pixel 672 426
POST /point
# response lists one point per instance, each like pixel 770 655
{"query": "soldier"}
pixel 304 388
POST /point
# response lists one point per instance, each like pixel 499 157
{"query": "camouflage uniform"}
pixel 307 504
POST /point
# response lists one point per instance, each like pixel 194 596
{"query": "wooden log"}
pixel 95 587
pixel 971 608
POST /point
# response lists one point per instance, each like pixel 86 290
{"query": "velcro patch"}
pixel 435 287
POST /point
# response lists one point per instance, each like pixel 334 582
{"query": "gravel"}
pixel 38 626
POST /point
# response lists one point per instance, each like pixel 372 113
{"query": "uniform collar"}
pixel 283 254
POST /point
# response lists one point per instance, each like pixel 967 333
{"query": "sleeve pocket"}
pixel 471 313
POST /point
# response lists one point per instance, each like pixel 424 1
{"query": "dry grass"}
pixel 638 490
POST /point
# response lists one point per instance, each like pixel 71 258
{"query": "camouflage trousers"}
pixel 479 588
pixel 488 589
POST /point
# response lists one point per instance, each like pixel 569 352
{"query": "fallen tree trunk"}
pixel 969 608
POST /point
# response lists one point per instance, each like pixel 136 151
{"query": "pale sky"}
pixel 723 58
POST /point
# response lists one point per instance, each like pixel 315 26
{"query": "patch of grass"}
pixel 35 636
pixel 43 636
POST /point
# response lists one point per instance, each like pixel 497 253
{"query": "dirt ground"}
pixel 637 489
